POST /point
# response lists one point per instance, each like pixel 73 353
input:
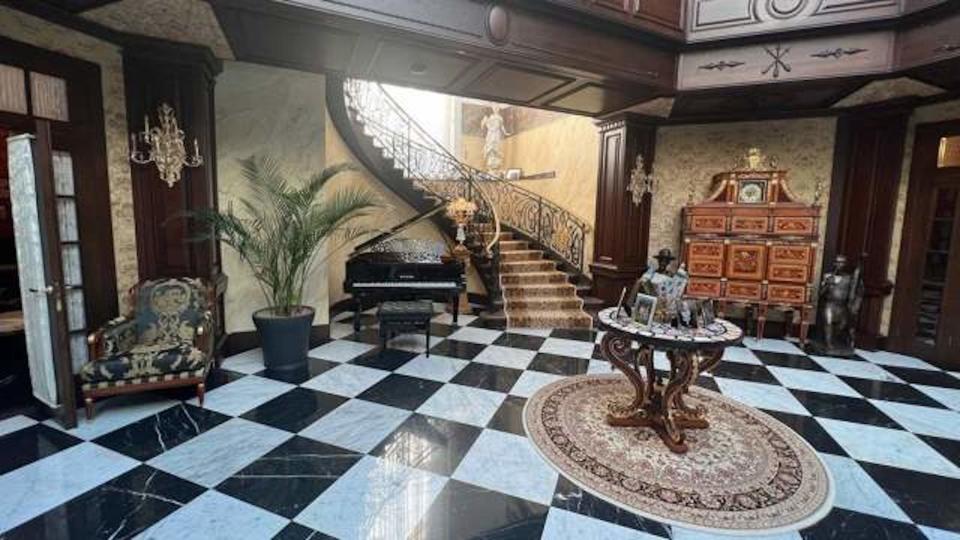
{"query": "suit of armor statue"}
pixel 841 293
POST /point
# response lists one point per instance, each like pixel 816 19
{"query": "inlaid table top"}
pixel 720 333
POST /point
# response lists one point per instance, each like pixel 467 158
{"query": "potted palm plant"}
pixel 280 235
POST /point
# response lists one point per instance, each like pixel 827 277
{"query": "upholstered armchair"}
pixel 166 340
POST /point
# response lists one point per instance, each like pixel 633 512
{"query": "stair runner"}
pixel 535 293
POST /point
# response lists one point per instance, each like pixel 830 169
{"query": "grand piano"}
pixel 391 267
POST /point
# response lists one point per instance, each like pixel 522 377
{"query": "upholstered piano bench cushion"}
pixel 417 311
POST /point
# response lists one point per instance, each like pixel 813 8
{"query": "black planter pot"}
pixel 285 340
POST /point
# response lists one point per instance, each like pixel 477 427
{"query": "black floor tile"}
pixel 706 381
pixel 846 525
pixel 385 359
pixel 928 499
pixel 925 377
pixel 843 408
pixel 365 335
pixel 948 448
pixel 520 341
pixel 291 476
pixel 744 372
pixel 312 368
pixel 509 417
pixel 798 361
pixel 457 349
pixel 811 430
pixel 366 320
pixel 578 334
pixel 442 330
pixel 574 499
pixel 401 391
pixel 150 437
pixel 488 377
pixel 463 510
pixel 891 391
pixel 27 445
pixel 121 508
pixel 217 378
pixel 559 365
pixel 489 324
pixel 295 531
pixel 294 410
pixel 428 443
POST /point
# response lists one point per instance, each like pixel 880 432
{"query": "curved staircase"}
pixel 528 251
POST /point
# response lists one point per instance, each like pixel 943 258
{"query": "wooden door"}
pixel 926 308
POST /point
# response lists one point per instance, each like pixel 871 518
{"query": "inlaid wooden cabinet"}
pixel 751 242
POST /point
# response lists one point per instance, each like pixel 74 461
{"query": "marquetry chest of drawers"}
pixel 752 243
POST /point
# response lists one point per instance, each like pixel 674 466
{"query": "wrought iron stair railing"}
pixel 434 169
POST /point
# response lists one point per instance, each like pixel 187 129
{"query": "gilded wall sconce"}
pixel 165 146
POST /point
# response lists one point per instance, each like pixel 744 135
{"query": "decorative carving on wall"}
pixel 838 53
pixel 721 65
pixel 777 55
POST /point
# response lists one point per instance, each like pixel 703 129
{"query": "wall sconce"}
pixel 164 146
pixel 641 181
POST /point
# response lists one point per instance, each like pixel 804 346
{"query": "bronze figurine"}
pixel 841 293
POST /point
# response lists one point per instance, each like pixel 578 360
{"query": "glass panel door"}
pixel 64 189
pixel 933 285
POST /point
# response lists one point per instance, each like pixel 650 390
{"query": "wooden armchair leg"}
pixel 201 388
pixel 88 406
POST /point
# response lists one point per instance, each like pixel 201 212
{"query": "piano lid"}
pixel 404 250
pixel 385 239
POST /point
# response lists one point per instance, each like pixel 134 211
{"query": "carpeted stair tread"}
pixel 539 290
pixel 530 278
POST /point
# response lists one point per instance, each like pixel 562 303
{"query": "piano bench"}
pixel 395 316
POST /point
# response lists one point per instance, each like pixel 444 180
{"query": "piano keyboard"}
pixel 407 285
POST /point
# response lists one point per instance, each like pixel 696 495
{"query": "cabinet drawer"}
pixel 795 273
pixel 787 294
pixel 793 225
pixel 790 254
pixel 706 267
pixel 745 291
pixel 706 250
pixel 749 224
pixel 704 288
pixel 746 261
pixel 708 224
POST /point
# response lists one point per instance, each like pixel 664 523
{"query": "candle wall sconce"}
pixel 641 181
pixel 164 146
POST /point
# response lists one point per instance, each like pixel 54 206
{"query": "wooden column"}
pixel 863 198
pixel 622 228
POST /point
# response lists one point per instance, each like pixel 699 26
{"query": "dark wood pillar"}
pixel 622 228
pixel 182 77
pixel 863 199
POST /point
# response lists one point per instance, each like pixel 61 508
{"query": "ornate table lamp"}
pixel 461 211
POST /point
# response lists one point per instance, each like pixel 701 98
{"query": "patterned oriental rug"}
pixel 746 474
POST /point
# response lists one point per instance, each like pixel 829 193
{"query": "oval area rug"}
pixel 746 474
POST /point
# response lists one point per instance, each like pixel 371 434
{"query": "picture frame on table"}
pixel 689 314
pixel 620 306
pixel 707 316
pixel 644 309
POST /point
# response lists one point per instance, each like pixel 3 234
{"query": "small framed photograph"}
pixel 644 308
pixel 689 313
pixel 706 313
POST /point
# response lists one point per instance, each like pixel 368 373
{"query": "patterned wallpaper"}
pixel 39 33
pixel 695 153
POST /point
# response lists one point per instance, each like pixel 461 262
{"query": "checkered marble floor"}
pixel 393 444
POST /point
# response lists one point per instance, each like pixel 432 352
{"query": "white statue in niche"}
pixel 493 126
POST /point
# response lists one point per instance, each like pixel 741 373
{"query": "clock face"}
pixel 751 192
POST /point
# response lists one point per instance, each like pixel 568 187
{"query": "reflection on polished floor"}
pixel 398 445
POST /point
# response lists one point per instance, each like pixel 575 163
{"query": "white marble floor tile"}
pixel 568 347
pixel 508 463
pixel 891 447
pixel 15 423
pixel 243 394
pixel 922 420
pixel 772 345
pixel 356 425
pixel 599 366
pixel 888 358
pixel 483 336
pixel 855 368
pixel 857 491
pixel 434 367
pixel 413 342
pixel 215 455
pixel 505 357
pixel 376 498
pixel 538 332
pixel 938 534
pixel 599 337
pixel 741 355
pixel 447 318
pixel 464 404
pixel 531 381
pixel 215 516
pixel 948 396
pixel 812 381
pixel 116 412
pixel 33 489
pixel 340 350
pixel 679 533
pixel 246 362
pixel 339 330
pixel 565 525
pixel 345 316
pixel 346 380
pixel 660 361
pixel 764 396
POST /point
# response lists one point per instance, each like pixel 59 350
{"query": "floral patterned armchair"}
pixel 166 341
